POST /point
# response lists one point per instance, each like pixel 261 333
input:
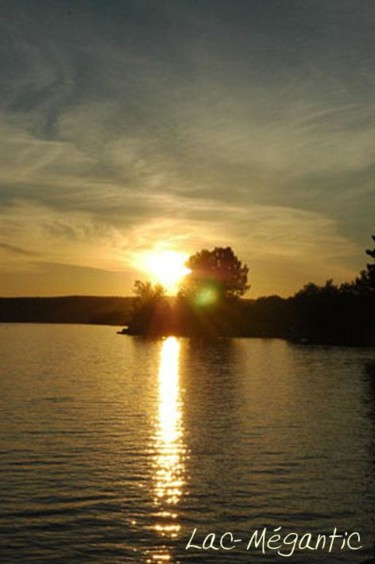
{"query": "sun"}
pixel 165 267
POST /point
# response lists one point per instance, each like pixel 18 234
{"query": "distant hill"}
pixel 67 309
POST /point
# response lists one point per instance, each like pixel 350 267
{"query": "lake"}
pixel 116 449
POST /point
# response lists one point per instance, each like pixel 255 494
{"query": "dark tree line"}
pixel 209 305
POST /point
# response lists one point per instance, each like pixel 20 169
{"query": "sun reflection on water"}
pixel 169 447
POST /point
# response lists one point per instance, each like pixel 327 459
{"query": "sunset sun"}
pixel 165 267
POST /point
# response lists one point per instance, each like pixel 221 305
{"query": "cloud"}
pixel 132 125
pixel 14 250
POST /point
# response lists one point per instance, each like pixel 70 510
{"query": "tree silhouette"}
pixel 146 292
pixel 150 310
pixel 215 275
pixel 311 290
pixel 371 267
pixel 365 282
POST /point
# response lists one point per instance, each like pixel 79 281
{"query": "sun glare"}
pixel 165 267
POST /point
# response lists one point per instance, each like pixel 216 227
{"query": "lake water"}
pixel 114 449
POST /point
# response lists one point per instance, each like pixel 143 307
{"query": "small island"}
pixel 209 304
pixel 211 301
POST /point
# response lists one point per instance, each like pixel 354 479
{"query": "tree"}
pixel 146 292
pixel 215 275
pixel 371 267
pixel 365 282
pixel 311 291
pixel 148 314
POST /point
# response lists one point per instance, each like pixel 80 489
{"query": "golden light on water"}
pixel 170 450
pixel 169 464
pixel 169 412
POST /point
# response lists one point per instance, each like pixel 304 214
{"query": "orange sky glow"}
pixel 134 134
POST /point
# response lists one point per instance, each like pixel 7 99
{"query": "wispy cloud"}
pixel 15 250
pixel 203 125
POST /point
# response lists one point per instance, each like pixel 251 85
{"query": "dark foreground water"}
pixel 114 449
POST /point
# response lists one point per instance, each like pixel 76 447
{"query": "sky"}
pixel 178 125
